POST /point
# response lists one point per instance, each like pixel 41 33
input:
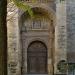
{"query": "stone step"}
pixel 35 74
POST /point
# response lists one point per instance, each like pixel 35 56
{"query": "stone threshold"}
pixel 35 74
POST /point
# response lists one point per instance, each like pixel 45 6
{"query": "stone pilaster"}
pixel 60 33
pixel 13 42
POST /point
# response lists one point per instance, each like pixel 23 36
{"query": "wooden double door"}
pixel 37 58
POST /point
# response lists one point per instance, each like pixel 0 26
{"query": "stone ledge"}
pixel 60 74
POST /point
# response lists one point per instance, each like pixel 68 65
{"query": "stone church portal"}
pixel 36 45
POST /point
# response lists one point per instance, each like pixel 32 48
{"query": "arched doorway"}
pixel 39 27
pixel 37 58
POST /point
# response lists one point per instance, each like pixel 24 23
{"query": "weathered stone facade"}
pixel 52 25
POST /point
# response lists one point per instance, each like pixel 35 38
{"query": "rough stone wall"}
pixel 71 30
pixel 65 32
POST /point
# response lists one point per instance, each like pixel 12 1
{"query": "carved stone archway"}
pixel 33 33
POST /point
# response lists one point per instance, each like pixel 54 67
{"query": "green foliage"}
pixel 64 66
pixel 71 67
pixel 23 6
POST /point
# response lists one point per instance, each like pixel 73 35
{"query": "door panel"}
pixel 37 58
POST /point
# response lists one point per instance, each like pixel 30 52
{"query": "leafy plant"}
pixel 65 66
pixel 62 67
pixel 24 6
pixel 71 67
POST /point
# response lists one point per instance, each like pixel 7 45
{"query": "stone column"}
pixel 14 66
pixel 60 34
